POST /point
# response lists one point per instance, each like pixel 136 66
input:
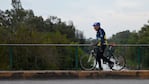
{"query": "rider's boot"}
pixel 100 67
pixel 104 62
pixel 111 64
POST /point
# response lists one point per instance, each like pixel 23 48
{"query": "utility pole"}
pixel 16 4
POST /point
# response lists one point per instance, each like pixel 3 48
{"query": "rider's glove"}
pixel 99 44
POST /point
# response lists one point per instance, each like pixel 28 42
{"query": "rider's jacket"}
pixel 101 37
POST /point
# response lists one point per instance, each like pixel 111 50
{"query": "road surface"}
pixel 100 81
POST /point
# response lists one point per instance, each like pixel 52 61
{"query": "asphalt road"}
pixel 101 81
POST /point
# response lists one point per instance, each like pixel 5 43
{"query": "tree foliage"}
pixel 131 53
pixel 22 26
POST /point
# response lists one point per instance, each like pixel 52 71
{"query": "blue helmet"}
pixel 96 24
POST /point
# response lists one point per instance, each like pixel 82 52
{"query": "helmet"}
pixel 96 24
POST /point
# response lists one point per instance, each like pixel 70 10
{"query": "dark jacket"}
pixel 101 37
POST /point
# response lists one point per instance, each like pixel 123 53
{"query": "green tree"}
pixel 131 53
pixel 22 26
pixel 144 39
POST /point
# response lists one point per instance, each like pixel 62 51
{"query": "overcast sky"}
pixel 114 15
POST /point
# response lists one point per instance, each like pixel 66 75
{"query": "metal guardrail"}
pixel 45 45
pixel 76 50
pixel 122 45
pixel 133 45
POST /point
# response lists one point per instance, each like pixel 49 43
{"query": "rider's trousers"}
pixel 100 52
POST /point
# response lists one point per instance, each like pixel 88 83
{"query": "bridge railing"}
pixel 64 56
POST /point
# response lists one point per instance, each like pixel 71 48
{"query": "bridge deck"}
pixel 69 74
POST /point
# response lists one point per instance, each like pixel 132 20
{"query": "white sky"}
pixel 114 15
